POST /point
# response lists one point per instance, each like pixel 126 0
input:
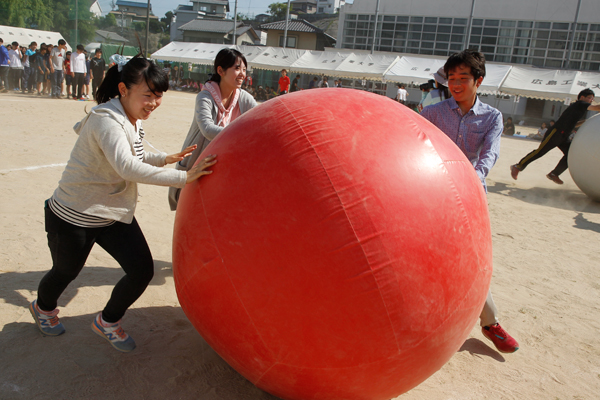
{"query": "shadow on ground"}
pixel 171 361
pixel 562 198
pixel 14 282
pixel 476 347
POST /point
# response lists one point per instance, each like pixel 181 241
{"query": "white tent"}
pixel 25 36
pixel 549 84
pixel 414 69
pixel 274 58
pixel 190 52
pixel 318 62
pixel 495 75
pixel 500 78
pixel 366 66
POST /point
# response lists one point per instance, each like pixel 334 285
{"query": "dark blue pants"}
pixel 57 79
pixel 70 246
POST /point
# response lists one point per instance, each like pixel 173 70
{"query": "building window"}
pixel 291 41
pixel 561 25
pixel 321 9
pixel 542 25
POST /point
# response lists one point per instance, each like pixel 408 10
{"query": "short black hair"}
pixel 61 42
pixel 98 51
pixel 470 58
pixel 586 93
pixel 1 41
pixel 80 47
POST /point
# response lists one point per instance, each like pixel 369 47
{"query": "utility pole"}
pixel 76 17
pixel 234 21
pixel 375 27
pixel 573 31
pixel 287 19
pixel 147 29
pixel 469 24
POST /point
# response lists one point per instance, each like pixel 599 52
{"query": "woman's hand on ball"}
pixel 173 158
pixel 200 169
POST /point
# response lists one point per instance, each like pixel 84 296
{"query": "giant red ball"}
pixel 340 250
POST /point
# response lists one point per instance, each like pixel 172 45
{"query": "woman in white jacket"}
pixel 220 102
pixel 97 194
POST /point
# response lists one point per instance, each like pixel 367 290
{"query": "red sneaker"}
pixel 514 171
pixel 554 178
pixel 501 339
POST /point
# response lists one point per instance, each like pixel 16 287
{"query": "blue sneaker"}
pixel 115 335
pixel 48 323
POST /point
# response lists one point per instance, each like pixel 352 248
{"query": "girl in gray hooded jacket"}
pixel 97 194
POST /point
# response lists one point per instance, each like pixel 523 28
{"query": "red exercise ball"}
pixel 340 250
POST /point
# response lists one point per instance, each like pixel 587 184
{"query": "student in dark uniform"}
pixel 558 136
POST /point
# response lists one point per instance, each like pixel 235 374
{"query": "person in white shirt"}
pixel 57 57
pixel 16 67
pixel 402 94
pixel 78 71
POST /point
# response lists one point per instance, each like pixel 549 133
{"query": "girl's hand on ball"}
pixel 200 169
pixel 173 158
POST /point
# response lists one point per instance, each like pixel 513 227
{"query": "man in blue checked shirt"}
pixel 475 127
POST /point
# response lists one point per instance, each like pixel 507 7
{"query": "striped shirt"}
pixel 90 221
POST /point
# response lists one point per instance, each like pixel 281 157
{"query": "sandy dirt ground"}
pixel 546 283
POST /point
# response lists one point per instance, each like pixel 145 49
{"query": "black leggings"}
pixel 70 246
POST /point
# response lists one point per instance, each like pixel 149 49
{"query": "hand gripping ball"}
pixel 340 250
pixel 583 159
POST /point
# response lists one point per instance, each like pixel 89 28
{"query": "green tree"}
pixel 166 21
pixel 278 11
pixel 107 21
pixel 26 14
pixel 156 26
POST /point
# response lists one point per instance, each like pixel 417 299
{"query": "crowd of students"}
pixel 50 70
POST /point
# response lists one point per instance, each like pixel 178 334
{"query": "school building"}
pixel 562 34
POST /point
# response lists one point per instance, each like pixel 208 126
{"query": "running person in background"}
pixel 558 136
pixel 475 127
pixel 96 198
pixel 219 103
pixel 284 82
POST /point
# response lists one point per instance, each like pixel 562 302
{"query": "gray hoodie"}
pixel 101 174
pixel 203 130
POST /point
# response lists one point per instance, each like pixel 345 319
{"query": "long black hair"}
pixel 226 59
pixel 136 70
